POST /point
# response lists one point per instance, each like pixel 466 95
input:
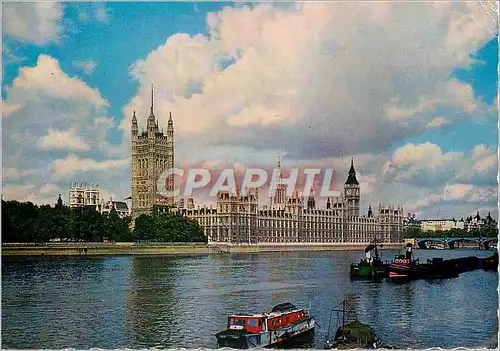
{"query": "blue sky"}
pixel 309 82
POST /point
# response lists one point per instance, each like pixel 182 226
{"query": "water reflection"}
pixel 150 318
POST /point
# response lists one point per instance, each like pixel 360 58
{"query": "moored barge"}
pixel 283 325
pixel 369 267
pixel 404 267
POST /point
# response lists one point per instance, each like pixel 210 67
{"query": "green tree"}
pixel 23 217
pixel 145 228
pixel 168 227
pixel 43 230
pixel 7 226
pixel 115 228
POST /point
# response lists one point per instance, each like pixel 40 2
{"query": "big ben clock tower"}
pixel 351 192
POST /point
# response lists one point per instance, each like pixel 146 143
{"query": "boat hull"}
pixel 422 271
pixel 362 270
pixel 283 336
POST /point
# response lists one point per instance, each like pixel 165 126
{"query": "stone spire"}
pixel 152 100
pixel 351 179
pixel 151 124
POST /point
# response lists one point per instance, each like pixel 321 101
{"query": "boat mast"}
pixel 343 317
pixel 329 325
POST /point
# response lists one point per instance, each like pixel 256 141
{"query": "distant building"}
pixel 411 221
pixel 238 219
pixel 441 225
pixel 83 194
pixel 187 202
pixel 120 207
pixel 478 223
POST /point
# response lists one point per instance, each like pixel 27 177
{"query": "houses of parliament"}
pixel 239 219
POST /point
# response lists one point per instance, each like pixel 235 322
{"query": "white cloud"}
pixel 44 98
pixel 422 156
pixel 48 188
pixel 17 191
pixel 12 173
pixel 426 164
pixel 59 113
pixel 319 82
pixel 87 66
pixel 438 122
pixel 74 164
pixel 37 22
pixel 93 11
pixel 485 158
pixel 66 140
pixel 101 14
pixel 256 115
pixel 46 80
pixel 457 191
pixel 7 109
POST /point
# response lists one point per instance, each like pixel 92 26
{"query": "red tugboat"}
pixel 284 324
pixel 403 267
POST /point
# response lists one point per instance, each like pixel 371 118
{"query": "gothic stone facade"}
pixel 237 219
pixel 152 153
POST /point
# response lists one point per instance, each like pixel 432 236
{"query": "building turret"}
pixel 170 125
pixel 59 202
pixel 135 127
pixel 279 198
pixel 370 212
pixel 489 219
pixel 311 202
pixel 170 152
pixel 351 193
pixel 135 163
pixel 351 179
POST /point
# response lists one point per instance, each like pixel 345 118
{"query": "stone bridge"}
pixel 482 242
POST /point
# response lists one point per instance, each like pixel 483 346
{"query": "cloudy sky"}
pixel 409 90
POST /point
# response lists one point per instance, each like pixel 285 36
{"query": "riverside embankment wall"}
pixel 109 249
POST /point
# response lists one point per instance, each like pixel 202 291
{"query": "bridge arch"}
pixel 452 242
pixel 421 242
pixel 487 243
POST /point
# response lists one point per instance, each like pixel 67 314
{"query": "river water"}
pixel 181 302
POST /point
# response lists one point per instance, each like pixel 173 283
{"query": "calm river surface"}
pixel 181 302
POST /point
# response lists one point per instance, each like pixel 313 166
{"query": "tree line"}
pixel 28 223
pixel 486 231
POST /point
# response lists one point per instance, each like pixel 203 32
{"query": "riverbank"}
pixel 110 249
